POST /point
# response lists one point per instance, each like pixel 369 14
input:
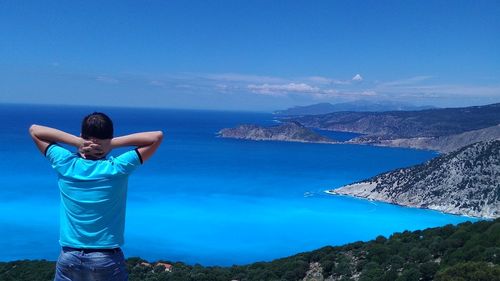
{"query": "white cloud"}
pixel 319 80
pixel 156 83
pixel 185 86
pixel 247 78
pixel 282 89
pixel 224 88
pixel 341 82
pixel 308 87
pixel 307 90
pixel 357 78
pixel 106 79
pixel 407 81
pixel 369 93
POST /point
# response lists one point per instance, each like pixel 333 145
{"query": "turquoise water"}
pixel 204 199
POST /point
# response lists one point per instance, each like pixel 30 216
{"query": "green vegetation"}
pixel 469 251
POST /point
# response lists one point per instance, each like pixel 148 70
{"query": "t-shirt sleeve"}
pixel 57 155
pixel 128 161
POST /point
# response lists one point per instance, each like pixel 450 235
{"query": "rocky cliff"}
pixel 463 182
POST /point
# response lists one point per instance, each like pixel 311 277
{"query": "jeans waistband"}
pixel 91 250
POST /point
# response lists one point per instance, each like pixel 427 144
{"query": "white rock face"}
pixel 463 182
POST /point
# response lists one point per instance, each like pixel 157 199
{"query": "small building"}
pixel 167 266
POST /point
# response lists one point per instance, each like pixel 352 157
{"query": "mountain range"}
pixel 355 106
pixel 441 129
pixel 407 124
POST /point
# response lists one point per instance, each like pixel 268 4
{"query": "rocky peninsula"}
pixel 463 182
pixel 288 131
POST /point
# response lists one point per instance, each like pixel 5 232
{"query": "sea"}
pixel 203 199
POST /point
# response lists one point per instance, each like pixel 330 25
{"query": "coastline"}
pixel 280 140
pixel 335 193
pixel 349 142
pixel 397 143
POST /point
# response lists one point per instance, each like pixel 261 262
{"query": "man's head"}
pixel 97 130
pixel 97 126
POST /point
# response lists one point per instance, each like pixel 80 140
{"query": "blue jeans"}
pixel 77 265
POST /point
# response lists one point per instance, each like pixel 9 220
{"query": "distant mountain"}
pixel 289 131
pixel 464 182
pixel 407 124
pixel 355 106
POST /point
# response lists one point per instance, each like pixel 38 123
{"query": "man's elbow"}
pixel 33 129
pixel 158 136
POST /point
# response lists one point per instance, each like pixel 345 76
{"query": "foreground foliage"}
pixel 469 251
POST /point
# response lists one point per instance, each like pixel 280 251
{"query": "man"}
pixel 93 192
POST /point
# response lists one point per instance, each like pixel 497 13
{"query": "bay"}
pixel 204 199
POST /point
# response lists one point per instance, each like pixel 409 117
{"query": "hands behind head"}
pixel 94 148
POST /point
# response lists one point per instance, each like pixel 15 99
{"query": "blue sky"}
pixel 249 55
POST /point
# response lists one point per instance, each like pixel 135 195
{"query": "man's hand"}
pixel 88 149
pixel 95 148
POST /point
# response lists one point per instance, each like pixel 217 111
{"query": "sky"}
pixel 249 55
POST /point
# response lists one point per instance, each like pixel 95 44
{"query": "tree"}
pixel 477 271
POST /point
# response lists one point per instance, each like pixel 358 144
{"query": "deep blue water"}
pixel 204 199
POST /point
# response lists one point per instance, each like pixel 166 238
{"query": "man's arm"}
pixel 146 142
pixel 44 136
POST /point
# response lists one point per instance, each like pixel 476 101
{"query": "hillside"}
pixel 465 182
pixel 469 251
pixel 407 124
pixel 442 144
pixel 289 131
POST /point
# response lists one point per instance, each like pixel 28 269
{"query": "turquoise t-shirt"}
pixel 93 197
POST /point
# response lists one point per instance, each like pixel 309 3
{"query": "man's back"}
pixel 93 197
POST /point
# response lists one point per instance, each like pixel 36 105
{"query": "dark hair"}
pixel 97 125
